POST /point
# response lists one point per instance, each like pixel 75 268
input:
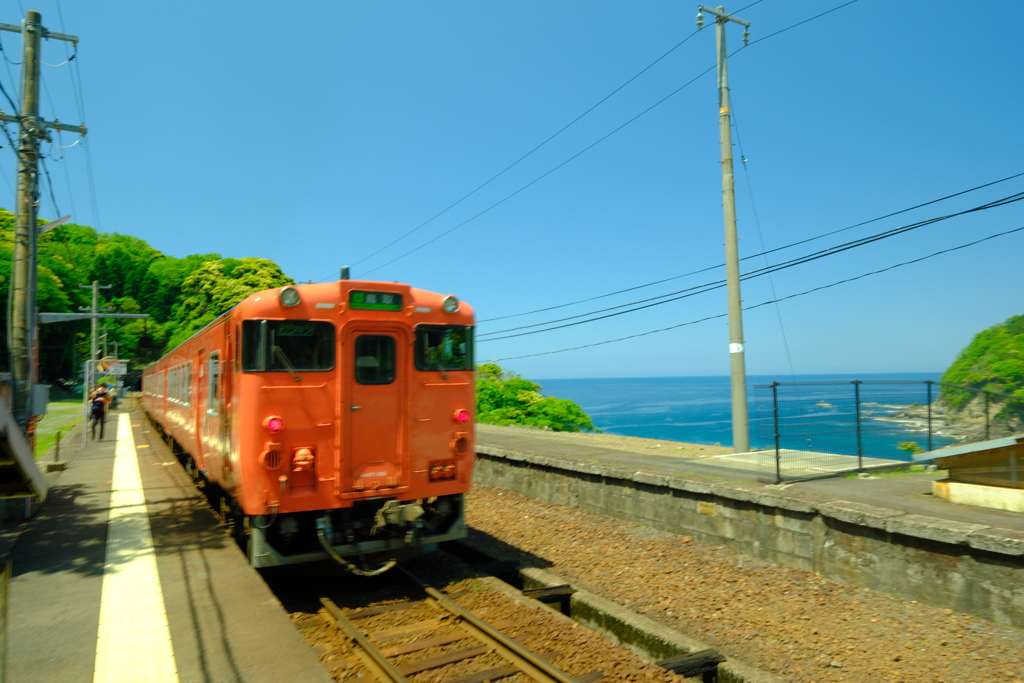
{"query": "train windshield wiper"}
pixel 435 359
pixel 279 354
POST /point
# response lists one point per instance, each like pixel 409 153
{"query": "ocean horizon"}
pixel 699 409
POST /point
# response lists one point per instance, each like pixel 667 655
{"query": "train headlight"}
pixel 302 459
pixel 273 423
pixel 289 296
pixel 442 470
pixel 460 444
pixel 450 304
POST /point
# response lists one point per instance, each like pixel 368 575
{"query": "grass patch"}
pixel 895 471
pixel 60 416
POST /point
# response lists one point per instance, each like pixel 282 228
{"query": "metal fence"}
pixel 816 429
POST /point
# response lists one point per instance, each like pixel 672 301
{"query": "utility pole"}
pixel 94 313
pixel 737 359
pixel 105 337
pixel 31 130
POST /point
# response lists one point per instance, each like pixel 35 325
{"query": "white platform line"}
pixel 134 641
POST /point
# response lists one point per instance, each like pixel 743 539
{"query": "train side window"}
pixel 375 359
pixel 213 371
pixel 254 342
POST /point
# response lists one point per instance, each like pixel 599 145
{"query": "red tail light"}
pixel 461 415
pixel 273 423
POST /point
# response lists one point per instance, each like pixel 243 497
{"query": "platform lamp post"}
pixel 737 359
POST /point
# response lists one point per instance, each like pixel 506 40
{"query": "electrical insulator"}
pixel 700 21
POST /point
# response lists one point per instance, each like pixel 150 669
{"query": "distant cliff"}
pixel 993 361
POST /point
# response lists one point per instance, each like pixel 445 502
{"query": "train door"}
pixel 375 454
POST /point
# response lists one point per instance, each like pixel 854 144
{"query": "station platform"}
pixel 125 575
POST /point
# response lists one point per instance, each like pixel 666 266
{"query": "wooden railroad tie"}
pixel 693 664
pixel 551 594
pixel 496 567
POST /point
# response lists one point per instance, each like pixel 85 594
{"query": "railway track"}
pixel 434 633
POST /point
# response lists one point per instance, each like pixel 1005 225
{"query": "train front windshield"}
pixel 287 345
pixel 444 347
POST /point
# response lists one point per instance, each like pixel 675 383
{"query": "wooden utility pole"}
pixel 31 130
pixel 737 358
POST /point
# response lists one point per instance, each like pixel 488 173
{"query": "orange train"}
pixel 327 420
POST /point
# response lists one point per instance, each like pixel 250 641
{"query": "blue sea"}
pixel 818 411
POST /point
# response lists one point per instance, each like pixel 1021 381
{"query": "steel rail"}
pixel 367 653
pixel 526 661
pixel 521 657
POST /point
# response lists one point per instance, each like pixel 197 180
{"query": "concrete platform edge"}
pixel 630 628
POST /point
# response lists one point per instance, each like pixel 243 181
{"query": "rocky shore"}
pixel 968 425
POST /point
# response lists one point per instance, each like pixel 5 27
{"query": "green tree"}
pixel 161 285
pixel 121 262
pixel 993 361
pixel 215 287
pixel 180 295
pixel 505 398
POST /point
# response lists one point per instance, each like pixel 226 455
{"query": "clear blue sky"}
pixel 319 136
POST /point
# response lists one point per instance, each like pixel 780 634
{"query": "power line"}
pixel 760 235
pixel 801 23
pixel 90 175
pixel 701 289
pixel 516 162
pixel 49 185
pixel 549 172
pixel 66 61
pixel 14 107
pixel 6 58
pixel 752 256
pixel 764 303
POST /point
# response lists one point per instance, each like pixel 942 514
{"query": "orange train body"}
pixel 330 419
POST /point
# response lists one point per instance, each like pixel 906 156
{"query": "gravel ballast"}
pixel 787 621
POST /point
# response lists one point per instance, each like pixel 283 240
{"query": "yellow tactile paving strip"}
pixel 134 641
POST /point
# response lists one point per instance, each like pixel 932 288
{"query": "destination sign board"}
pixel 375 301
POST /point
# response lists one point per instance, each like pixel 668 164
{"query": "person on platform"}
pixel 98 401
pixel 113 394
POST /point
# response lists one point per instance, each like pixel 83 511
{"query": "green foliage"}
pixel 994 361
pixel 181 295
pixel 911 447
pixel 162 282
pixel 505 398
pixel 216 286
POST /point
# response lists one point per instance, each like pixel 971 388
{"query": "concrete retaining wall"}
pixel 966 567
